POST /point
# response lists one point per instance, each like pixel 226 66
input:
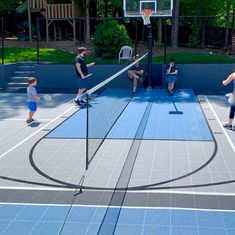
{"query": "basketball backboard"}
pixel 161 8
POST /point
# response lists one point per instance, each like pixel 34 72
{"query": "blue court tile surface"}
pixel 177 117
pixel 42 219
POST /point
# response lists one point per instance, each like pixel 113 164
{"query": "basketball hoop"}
pixel 146 13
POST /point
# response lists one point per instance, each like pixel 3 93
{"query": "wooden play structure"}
pixel 53 13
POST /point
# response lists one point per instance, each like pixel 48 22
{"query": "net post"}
pixel 3 38
pixel 87 132
pixel 164 42
pixel 38 40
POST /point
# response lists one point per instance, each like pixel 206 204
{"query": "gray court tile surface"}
pixel 44 169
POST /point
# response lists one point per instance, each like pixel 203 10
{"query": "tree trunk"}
pixel 203 33
pixel 227 25
pixel 88 40
pixel 159 31
pixel 106 8
pixel 175 24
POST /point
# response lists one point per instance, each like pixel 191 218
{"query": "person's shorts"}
pixel 32 106
pixel 83 83
pixel 171 79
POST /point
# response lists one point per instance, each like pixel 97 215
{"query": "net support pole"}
pixel 150 51
pixel 2 19
pixel 164 42
pixel 87 133
pixel 38 40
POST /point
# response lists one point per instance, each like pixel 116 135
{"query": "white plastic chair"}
pixel 125 54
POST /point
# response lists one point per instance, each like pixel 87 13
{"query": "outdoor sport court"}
pixel 167 166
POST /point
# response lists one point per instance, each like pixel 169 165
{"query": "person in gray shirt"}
pixel 33 98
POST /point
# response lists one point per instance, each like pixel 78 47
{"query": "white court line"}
pixel 36 132
pixel 220 124
pixel 137 191
pixel 15 131
pixel 118 207
pixel 38 188
pixel 183 192
pixel 23 119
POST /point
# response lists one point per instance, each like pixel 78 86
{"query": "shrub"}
pixel 109 37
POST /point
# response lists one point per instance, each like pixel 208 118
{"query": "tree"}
pixel 204 12
pixel 7 6
pixel 109 37
pixel 175 24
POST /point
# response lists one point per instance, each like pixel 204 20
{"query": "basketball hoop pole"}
pixel 150 50
pixel 146 14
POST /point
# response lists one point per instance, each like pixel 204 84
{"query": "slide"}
pixel 22 19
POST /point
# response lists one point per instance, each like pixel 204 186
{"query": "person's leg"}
pixel 171 85
pixel 80 95
pixel 231 117
pixel 82 88
pixel 130 74
pixel 169 81
pixel 32 109
pixel 31 113
pixel 173 80
pixel 135 84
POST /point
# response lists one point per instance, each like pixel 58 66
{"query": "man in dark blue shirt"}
pixel 82 71
pixel 171 75
pixel 135 74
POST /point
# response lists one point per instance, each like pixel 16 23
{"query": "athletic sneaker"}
pixel 29 121
pixel 77 102
pixel 83 101
pixel 230 127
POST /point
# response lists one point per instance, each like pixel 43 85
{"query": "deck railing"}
pixel 57 11
pixel 37 4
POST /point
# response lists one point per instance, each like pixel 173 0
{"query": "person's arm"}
pixel 34 94
pixel 140 72
pixel 78 67
pixel 168 70
pixel 91 64
pixel 229 79
pixel 175 72
pixel 36 97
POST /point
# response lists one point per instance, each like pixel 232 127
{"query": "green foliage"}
pixel 14 54
pixel 7 6
pixel 109 37
pixel 196 58
pixel 194 36
pixel 201 8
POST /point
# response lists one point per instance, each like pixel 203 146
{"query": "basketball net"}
pixel 146 13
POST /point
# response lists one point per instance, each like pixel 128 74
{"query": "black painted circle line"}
pixel 141 187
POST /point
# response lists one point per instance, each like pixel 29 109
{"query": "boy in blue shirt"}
pixel 171 76
pixel 33 98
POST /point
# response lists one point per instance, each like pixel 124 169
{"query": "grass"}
pixel 13 54
pixel 196 58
